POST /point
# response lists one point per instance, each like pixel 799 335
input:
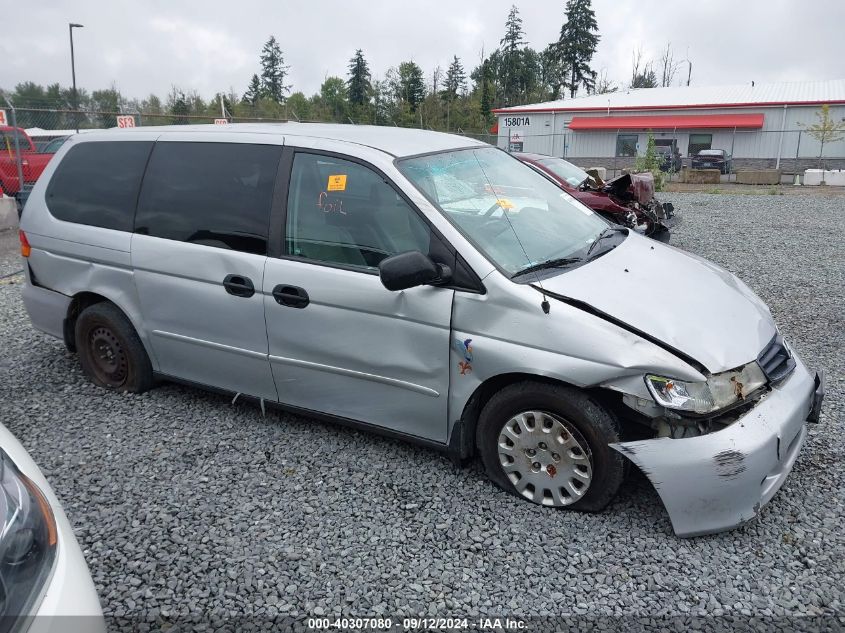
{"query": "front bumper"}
pixel 719 481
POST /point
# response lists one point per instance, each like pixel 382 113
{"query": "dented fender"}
pixel 721 480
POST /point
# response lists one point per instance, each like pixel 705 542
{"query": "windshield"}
pixel 53 146
pixel 515 216
pixel 563 169
pixel 7 140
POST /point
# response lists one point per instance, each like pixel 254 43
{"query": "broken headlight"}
pixel 28 540
pixel 717 392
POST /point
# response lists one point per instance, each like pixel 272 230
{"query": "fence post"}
pixel 18 160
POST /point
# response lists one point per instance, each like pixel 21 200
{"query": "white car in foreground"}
pixel 42 572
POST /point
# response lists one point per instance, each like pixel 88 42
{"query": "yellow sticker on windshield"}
pixel 505 203
pixel 337 183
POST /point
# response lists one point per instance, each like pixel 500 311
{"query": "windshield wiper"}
pixel 560 262
pixel 605 233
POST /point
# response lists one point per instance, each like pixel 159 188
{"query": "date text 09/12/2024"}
pixel 416 624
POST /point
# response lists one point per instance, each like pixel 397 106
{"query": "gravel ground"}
pixel 185 503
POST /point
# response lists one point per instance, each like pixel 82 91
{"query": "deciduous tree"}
pixel 411 84
pixel 825 130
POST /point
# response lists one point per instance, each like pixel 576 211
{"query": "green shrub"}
pixel 650 161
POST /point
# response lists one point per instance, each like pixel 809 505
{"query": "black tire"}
pixel 592 422
pixel 110 352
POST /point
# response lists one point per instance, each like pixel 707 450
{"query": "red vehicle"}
pixel 627 200
pixel 32 162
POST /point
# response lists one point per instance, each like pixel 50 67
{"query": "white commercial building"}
pixel 760 126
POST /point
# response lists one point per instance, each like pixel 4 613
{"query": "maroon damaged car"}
pixel 627 200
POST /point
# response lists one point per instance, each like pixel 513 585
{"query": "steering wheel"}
pixel 495 227
pixel 489 212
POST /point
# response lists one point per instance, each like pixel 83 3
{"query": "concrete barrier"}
pixel 701 176
pixel 758 177
pixel 834 177
pixel 8 213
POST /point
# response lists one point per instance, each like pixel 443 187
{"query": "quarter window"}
pixel 214 194
pixel 698 142
pixel 97 183
pixel 341 212
pixel 626 144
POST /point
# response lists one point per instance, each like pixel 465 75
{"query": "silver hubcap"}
pixel 546 458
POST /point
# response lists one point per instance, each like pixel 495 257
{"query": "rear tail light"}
pixel 26 249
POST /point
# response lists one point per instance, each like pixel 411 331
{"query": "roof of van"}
pixel 395 141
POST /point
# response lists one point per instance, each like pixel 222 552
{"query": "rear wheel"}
pixel 549 444
pixel 110 352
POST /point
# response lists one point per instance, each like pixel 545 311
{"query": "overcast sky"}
pixel 146 46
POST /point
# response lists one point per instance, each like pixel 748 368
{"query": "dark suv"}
pixel 670 158
pixel 712 159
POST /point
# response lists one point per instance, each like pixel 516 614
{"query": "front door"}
pixel 198 255
pixel 340 342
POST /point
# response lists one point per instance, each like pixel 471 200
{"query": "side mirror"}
pixel 411 269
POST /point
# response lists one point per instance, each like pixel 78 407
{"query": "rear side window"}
pixel 97 183
pixel 214 194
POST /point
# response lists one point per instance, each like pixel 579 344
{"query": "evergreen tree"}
pixel 553 72
pixel 358 86
pixel 645 79
pixel 511 67
pixel 253 91
pixel 486 98
pixel 178 106
pixel 456 80
pixel 577 44
pixel 273 72
pixel 411 84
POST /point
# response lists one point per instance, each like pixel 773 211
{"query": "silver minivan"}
pixel 425 285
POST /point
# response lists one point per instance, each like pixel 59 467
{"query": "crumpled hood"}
pixel 639 187
pixel 680 299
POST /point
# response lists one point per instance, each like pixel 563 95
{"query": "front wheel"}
pixel 549 444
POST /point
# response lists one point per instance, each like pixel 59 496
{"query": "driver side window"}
pixel 341 212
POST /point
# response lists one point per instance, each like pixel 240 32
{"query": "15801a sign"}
pixel 517 121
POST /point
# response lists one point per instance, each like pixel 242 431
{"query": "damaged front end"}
pixel 635 193
pixel 713 464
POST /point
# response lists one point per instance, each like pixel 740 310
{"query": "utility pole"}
pixel 70 28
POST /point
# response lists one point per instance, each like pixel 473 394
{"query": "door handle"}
pixel 291 296
pixel 239 285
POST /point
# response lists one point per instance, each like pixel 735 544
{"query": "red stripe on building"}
pixel 667 122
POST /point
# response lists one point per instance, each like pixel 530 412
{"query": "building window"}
pixel 626 144
pixel 698 142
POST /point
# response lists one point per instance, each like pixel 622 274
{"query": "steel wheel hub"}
pixel 546 458
pixel 108 356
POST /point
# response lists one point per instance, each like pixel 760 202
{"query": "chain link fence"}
pixel 792 151
pixel 30 136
